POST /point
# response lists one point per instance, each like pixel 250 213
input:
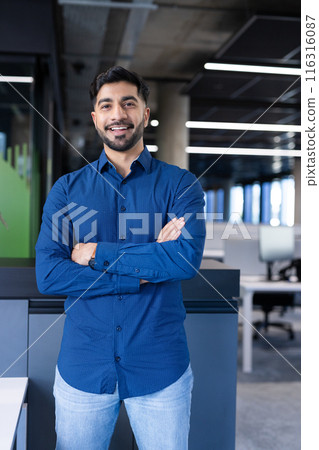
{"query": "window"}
pixel 275 203
pixel 214 203
pixel 248 199
pixel 278 202
pixel 255 207
pixel 237 200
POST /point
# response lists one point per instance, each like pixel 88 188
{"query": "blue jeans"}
pixel 160 421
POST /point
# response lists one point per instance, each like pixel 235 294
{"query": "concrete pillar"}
pixel 297 176
pixel 172 135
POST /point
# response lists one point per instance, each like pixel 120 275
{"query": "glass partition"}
pixel 19 170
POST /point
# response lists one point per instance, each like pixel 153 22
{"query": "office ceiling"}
pixel 171 41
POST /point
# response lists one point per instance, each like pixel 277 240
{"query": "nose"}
pixel 118 112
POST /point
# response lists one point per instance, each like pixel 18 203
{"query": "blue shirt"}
pixel 117 330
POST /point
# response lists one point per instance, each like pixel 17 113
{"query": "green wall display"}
pixel 15 200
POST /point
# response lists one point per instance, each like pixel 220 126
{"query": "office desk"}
pixel 214 253
pixel 248 286
pixel 12 394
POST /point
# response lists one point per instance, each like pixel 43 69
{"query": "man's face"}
pixel 120 116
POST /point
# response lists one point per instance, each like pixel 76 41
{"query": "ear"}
pixel 146 116
pixel 93 118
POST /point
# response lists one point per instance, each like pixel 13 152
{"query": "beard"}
pixel 121 143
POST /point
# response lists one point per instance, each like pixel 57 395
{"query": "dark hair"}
pixel 114 75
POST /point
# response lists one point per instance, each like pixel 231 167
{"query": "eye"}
pixel 129 104
pixel 105 106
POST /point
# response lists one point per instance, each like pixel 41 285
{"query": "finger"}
pixel 169 225
pixel 78 245
pixel 176 226
pixel 165 231
pixel 169 230
pixel 174 234
pixel 173 225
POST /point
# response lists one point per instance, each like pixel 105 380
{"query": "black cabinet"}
pixel 212 341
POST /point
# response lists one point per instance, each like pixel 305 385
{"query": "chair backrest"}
pixel 276 243
pixel 243 254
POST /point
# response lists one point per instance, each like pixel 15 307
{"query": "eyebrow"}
pixel 123 99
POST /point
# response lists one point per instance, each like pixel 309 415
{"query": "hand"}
pixel 82 253
pixel 172 230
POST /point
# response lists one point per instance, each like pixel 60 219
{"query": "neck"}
pixel 122 160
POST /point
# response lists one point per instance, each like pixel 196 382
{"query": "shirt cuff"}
pixel 106 255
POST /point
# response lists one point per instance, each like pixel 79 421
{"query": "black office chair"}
pixel 268 302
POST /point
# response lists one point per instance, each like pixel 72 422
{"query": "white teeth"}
pixel 119 128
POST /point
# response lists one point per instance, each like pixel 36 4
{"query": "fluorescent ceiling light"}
pixel 11 79
pixel 109 4
pixel 152 148
pixel 154 123
pixel 253 69
pixel 242 151
pixel 243 126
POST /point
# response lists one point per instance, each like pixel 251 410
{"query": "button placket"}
pixel 118 335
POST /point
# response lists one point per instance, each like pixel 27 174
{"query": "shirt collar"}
pixel 145 159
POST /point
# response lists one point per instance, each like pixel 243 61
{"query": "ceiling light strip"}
pixel 253 69
pixel 243 126
pixel 243 151
pixel 152 148
pixel 15 79
pixel 108 4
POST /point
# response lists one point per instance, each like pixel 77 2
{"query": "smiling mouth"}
pixel 119 127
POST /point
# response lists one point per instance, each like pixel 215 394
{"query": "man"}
pixel 124 338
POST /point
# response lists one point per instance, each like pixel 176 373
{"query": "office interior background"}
pixel 204 117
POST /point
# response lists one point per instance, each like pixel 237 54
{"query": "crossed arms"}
pixel 82 253
pixel 62 270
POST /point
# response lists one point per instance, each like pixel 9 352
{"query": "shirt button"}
pixel 118 328
pixel 106 263
pixel 123 208
pixel 137 270
pixel 117 358
pixel 120 297
pixel 124 182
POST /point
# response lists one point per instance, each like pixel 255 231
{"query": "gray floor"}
pixel 268 399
